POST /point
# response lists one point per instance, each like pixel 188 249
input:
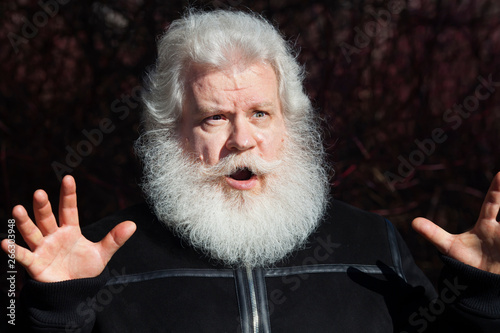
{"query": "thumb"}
pixel 116 238
pixel 440 238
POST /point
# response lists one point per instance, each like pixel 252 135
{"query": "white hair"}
pixel 237 227
pixel 220 39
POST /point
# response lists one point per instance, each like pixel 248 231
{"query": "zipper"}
pixel 253 300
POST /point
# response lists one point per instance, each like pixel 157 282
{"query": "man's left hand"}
pixel 478 247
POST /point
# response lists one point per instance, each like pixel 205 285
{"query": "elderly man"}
pixel 239 233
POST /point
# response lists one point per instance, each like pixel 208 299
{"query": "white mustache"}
pixel 234 162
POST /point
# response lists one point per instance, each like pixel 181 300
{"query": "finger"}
pixel 440 238
pixel 29 231
pixel 44 217
pixel 116 238
pixel 491 204
pixel 23 256
pixel 68 211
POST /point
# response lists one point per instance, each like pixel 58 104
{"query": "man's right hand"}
pixel 61 252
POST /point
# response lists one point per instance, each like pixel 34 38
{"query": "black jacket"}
pixel 354 275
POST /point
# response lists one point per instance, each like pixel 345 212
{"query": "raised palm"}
pixel 478 247
pixel 61 252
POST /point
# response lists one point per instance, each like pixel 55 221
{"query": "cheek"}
pixel 260 138
pixel 208 148
pixel 271 145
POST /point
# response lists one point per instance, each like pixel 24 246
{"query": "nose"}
pixel 241 137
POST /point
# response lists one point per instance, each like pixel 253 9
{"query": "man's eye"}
pixel 215 117
pixel 259 114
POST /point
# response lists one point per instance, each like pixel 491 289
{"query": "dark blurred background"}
pixel 382 74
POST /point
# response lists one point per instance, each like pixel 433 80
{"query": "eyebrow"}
pixel 215 110
pixel 263 105
pixel 207 110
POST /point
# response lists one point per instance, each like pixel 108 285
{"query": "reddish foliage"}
pixel 393 87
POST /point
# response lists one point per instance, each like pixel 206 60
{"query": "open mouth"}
pixel 242 174
pixel 242 179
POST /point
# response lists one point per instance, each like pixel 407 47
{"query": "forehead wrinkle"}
pixel 233 76
pixel 230 80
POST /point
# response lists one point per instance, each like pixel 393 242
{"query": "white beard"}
pixel 239 228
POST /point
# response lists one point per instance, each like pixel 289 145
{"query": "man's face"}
pixel 232 120
pixel 234 111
